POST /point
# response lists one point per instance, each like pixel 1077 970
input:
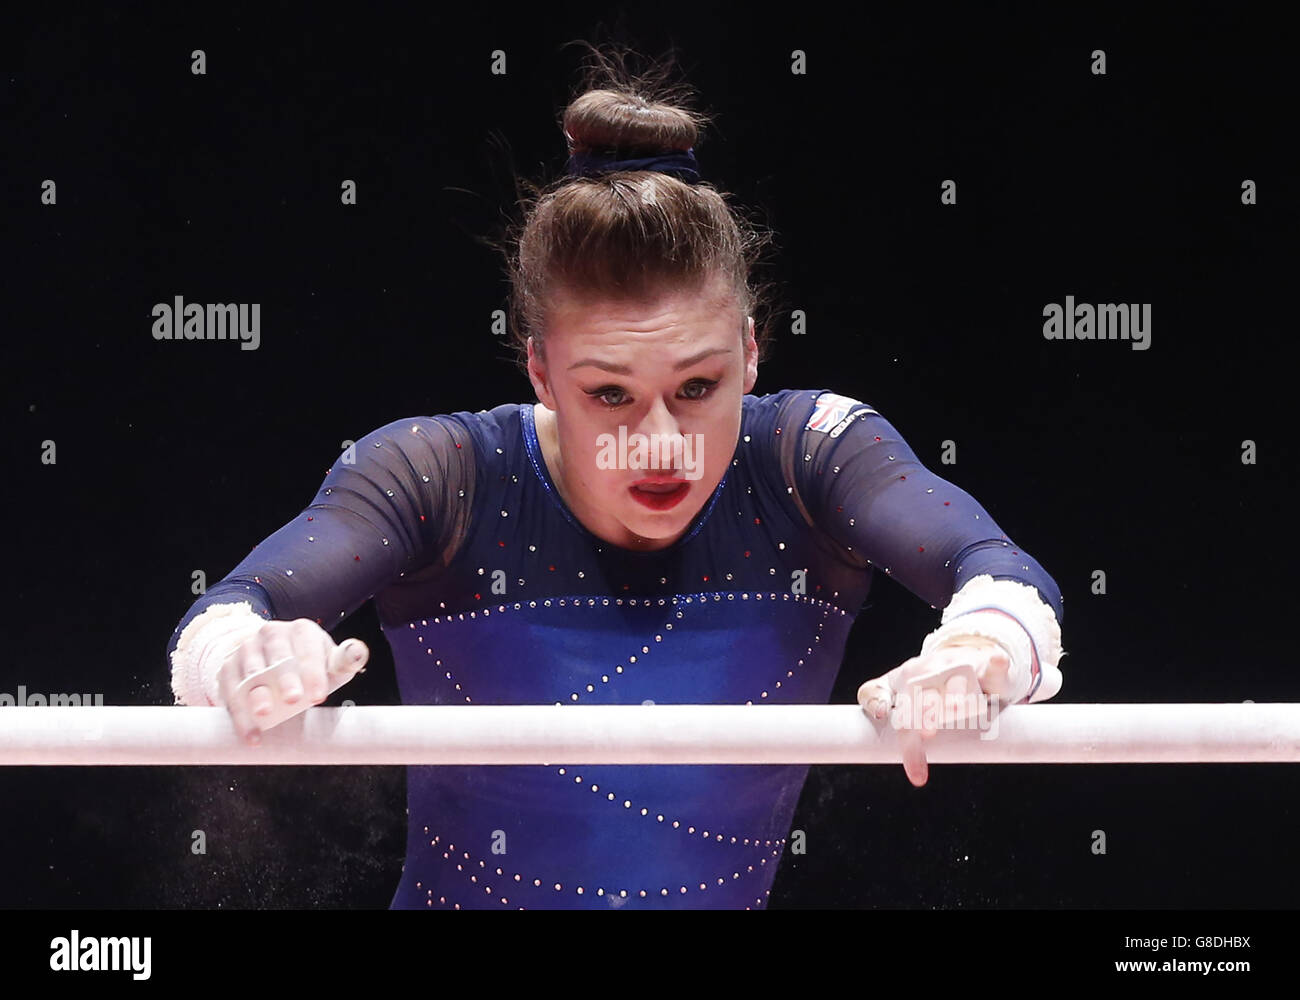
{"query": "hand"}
pixel 939 689
pixel 309 666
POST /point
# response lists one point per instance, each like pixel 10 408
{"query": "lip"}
pixel 660 501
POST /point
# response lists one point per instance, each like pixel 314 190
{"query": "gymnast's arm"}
pixel 389 506
pixel 867 489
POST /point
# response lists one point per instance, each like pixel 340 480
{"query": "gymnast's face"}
pixel 631 393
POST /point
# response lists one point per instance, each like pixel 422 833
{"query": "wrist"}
pixel 1014 616
pixel 204 645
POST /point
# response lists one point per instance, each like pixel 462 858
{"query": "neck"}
pixel 548 438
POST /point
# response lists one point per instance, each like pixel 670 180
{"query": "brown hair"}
pixel 629 235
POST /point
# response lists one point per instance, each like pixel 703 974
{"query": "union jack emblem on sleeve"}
pixel 831 410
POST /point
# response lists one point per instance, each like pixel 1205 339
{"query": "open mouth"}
pixel 660 496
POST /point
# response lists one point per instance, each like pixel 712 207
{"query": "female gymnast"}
pixel 536 553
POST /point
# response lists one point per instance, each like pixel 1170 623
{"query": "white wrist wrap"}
pixel 204 643
pixel 1014 615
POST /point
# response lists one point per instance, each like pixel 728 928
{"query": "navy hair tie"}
pixel 679 163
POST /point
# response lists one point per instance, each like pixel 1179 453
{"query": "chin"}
pixel 660 528
pixel 663 524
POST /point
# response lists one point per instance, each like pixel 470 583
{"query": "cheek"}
pixel 605 483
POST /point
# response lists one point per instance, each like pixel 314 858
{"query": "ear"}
pixel 751 356
pixel 537 375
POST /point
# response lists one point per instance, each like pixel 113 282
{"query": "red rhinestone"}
pixel 501 545
pixel 877 437
pixel 920 548
pixel 357 558
pixel 747 553
pixel 947 503
pixel 457 444
pixel 902 477
pixel 706 579
pixel 839 510
pixel 758 520
pixel 478 597
pixel 310 518
pixel 552 569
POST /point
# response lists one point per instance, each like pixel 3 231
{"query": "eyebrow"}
pixel 625 370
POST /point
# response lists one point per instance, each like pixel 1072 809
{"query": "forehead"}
pixel 682 322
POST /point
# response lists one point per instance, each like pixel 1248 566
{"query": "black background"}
pixel 176 456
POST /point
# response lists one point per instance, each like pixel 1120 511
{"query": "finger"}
pixel 897 678
pixel 248 658
pixel 956 692
pixel 893 680
pixel 275 647
pixel 348 657
pixel 260 701
pixel 932 709
pixel 291 690
pixel 876 697
pixel 241 715
pixel 311 648
pixel 914 763
pixel 318 681
pixel 995 673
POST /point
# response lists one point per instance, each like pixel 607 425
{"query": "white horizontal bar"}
pixel 646 734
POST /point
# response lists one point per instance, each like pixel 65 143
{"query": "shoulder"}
pixel 482 431
pixel 796 412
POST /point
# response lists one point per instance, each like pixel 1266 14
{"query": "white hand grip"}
pixel 939 679
pixel 338 672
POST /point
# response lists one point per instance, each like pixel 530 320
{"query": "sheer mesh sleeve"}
pixel 859 481
pixel 391 505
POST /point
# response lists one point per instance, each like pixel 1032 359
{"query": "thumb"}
pixel 876 697
pixel 349 657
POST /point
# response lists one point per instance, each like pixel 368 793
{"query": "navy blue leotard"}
pixel 490 591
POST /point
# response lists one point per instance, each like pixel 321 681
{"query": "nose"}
pixel 662 428
pixel 659 419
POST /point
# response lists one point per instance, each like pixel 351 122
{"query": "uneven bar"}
pixel 647 734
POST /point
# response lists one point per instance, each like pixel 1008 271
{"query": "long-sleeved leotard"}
pixel 490 591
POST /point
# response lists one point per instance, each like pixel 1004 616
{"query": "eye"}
pixel 703 385
pixel 600 394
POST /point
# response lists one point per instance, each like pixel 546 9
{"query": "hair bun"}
pixel 624 125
